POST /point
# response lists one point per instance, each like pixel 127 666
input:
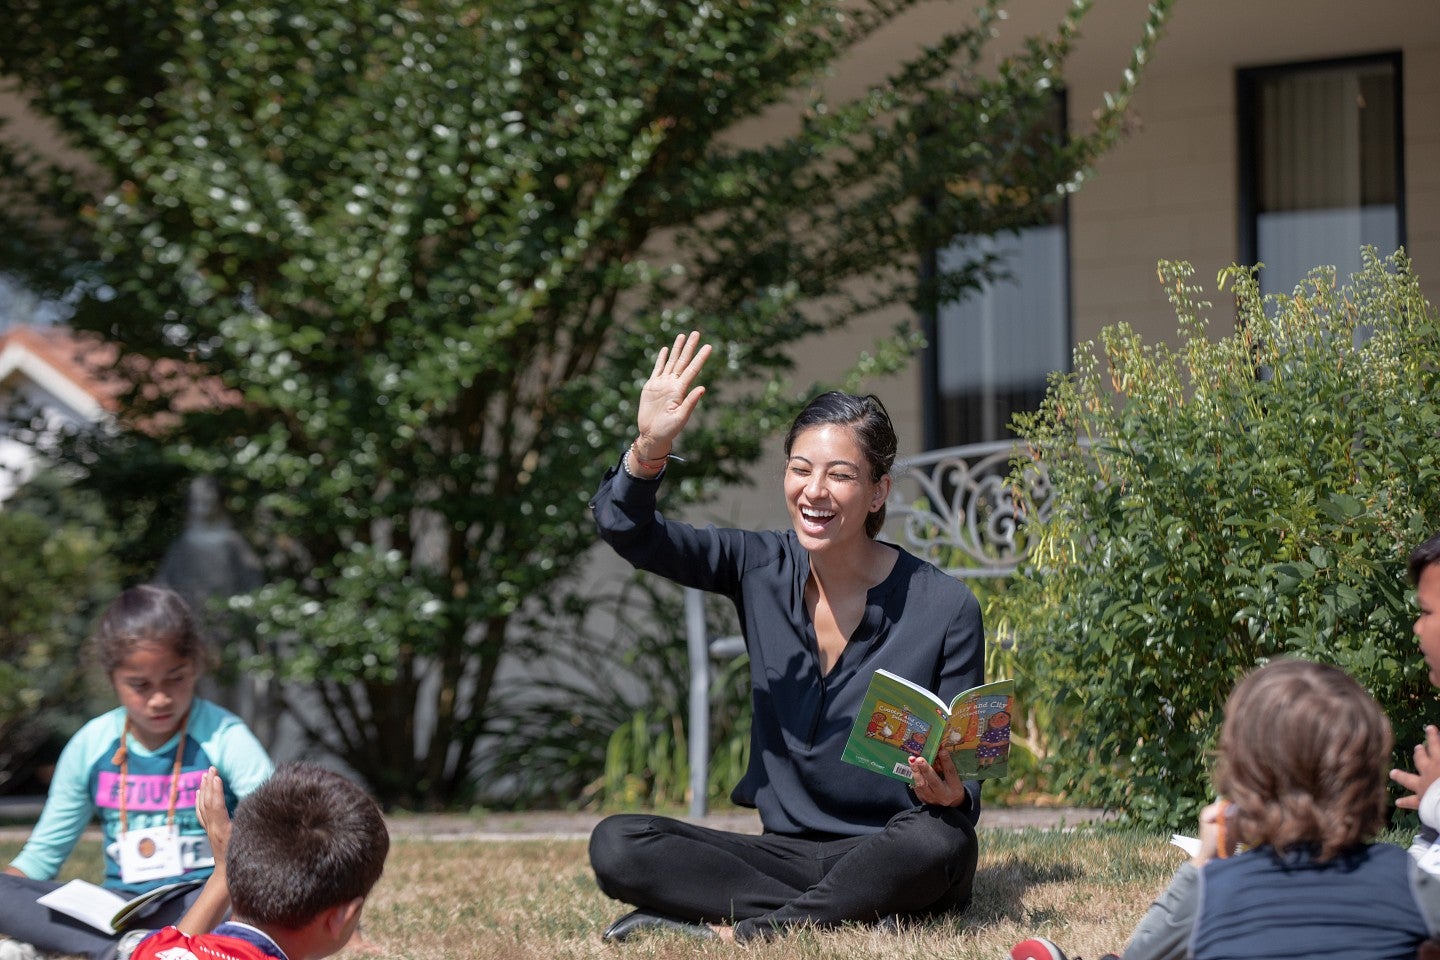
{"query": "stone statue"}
pixel 210 561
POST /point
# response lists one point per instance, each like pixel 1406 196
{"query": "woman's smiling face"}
pixel 828 488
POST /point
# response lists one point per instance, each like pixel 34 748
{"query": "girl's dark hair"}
pixel 146 614
pixel 1303 756
pixel 868 421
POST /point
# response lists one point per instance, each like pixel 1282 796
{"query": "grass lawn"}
pixel 536 900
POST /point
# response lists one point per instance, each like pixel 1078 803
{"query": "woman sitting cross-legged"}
pixel 822 605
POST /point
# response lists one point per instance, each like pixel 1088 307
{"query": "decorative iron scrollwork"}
pixel 963 509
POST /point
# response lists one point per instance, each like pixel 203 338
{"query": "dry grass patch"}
pixel 537 900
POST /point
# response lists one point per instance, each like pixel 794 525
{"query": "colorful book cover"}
pixel 899 719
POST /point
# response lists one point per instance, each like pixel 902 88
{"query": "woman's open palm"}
pixel 668 398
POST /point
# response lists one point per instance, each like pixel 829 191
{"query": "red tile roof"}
pixel 97 368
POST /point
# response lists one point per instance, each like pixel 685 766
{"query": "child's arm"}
pixel 1164 932
pixel 214 901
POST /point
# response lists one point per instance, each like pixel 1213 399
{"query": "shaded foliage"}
pixel 609 726
pixel 1220 503
pixel 55 578
pixel 432 247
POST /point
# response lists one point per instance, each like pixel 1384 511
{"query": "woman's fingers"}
pixel 668 398
pixel 936 786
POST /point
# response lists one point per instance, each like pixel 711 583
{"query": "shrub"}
pixel 55 575
pixel 1221 503
pixel 610 729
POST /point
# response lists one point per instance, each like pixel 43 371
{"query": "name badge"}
pixel 150 854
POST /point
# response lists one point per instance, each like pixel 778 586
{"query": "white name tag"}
pixel 150 854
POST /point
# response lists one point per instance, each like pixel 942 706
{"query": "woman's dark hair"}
pixel 1303 756
pixel 146 614
pixel 868 421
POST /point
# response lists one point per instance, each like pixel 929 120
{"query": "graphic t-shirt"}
pixel 230 941
pixel 88 782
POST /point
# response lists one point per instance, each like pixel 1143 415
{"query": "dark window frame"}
pixel 1247 82
pixel 930 319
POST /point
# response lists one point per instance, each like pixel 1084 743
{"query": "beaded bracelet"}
pixel 644 461
pixel 632 452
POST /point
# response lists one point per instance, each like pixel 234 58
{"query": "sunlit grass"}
pixel 536 900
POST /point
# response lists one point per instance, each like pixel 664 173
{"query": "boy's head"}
pixel 1423 557
pixel 305 842
pixel 1304 751
pixel 1425 574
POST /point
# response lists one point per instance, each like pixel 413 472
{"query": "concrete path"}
pixel 562 825
pixel 16 815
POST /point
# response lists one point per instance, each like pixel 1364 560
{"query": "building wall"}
pixel 1171 189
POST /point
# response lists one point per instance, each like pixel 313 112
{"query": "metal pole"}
pixel 697 643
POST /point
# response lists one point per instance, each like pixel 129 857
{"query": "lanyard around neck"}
pixel 122 757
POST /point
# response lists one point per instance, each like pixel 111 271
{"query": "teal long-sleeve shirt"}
pixel 86 783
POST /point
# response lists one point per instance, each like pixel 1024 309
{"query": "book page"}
pixel 908 688
pixel 978 731
pixel 85 902
pixel 134 909
pixel 1190 845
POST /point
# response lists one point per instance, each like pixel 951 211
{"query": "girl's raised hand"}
pixel 668 398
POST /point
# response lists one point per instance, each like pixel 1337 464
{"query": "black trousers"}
pixel 922 863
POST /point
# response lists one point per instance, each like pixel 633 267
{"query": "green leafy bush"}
pixel 1220 503
pixel 55 575
pixel 611 731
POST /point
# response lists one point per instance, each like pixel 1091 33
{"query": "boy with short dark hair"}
pixel 299 859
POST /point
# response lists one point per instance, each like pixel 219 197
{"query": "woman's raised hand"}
pixel 667 400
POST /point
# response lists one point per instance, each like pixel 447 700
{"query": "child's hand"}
pixel 1215 839
pixel 210 808
pixel 1427 767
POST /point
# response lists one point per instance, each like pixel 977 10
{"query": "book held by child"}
pixel 899 719
pixel 106 910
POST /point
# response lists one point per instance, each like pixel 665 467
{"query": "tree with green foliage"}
pixel 433 245
pixel 1221 503
pixel 55 577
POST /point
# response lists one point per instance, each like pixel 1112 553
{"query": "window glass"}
pixel 991 353
pixel 1323 176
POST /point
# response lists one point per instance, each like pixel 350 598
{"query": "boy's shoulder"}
pixel 170 943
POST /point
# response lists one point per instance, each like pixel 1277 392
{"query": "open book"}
pixel 899 720
pixel 106 910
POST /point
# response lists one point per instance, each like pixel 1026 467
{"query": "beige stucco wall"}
pixel 1170 190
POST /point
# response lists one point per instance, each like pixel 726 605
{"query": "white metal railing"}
pixel 958 508
pixel 955 507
